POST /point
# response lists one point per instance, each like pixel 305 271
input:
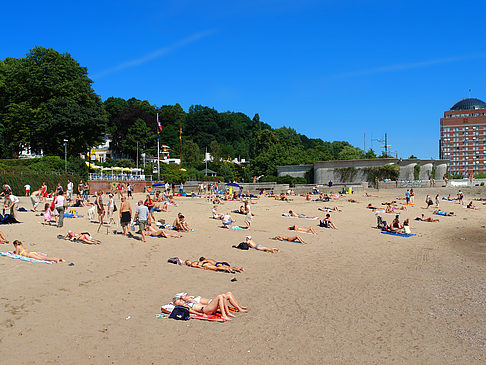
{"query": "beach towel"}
pixel 399 234
pixel 23 258
pixel 286 215
pixel 234 227
pixel 203 317
pixel 70 215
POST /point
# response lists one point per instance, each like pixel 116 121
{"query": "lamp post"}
pixel 65 155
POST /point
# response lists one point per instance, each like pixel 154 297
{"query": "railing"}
pixel 119 177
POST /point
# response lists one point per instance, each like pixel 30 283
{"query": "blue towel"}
pixel 23 258
pixel 399 234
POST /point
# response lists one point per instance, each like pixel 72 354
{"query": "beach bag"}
pixel 175 260
pixel 242 246
pixel 180 313
pixel 114 207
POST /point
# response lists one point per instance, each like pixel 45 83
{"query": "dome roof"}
pixel 468 104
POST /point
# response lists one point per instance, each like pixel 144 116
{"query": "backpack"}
pixel 180 313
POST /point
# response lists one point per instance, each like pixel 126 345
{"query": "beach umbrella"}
pixel 233 184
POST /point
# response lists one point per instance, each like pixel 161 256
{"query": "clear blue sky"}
pixel 331 69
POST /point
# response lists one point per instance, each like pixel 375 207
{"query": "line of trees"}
pixel 47 97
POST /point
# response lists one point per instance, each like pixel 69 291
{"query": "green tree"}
pixel 350 153
pixel 191 155
pixel 215 150
pixel 37 92
pixel 138 134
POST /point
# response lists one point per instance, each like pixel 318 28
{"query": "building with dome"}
pixel 462 137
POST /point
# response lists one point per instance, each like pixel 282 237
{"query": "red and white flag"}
pixel 158 123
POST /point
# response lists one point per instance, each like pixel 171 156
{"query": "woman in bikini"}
pixel 220 263
pixel 21 250
pixel 205 301
pixel 84 237
pixel 151 231
pixel 208 266
pixel 259 247
pixel 217 304
pixel 301 229
pixel 290 239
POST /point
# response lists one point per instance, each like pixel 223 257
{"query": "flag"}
pixel 158 124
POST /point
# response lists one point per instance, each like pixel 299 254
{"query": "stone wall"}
pixel 293 170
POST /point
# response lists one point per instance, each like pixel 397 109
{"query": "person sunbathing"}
pixel 471 206
pixel 259 247
pixel 353 200
pixel 227 220
pixel 370 196
pixel 406 227
pixel 215 213
pixel 3 239
pixel 446 214
pixel 423 218
pixel 205 301
pixel 369 206
pixel 220 263
pixel 290 239
pixel 395 225
pixel 293 214
pixel 302 229
pixel 217 304
pixel 180 224
pixel 208 266
pixel 154 232
pixel 84 237
pixel 328 209
pixel 21 250
pixel 327 222
pixel 389 208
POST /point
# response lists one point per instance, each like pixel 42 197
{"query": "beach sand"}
pixel 352 295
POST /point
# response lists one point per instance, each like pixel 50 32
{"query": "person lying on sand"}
pixel 290 239
pixel 154 232
pixel 259 247
pixel 284 197
pixel 3 239
pixel 328 209
pixel 21 250
pixel 203 260
pixel 293 214
pixel 205 301
pixel 84 237
pixel 370 196
pixel 369 206
pixel 217 304
pixel 327 222
pixel 208 266
pixel 302 229
pixel 423 218
pixel 441 212
pixel 353 200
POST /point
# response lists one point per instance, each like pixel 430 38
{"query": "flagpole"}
pixel 180 148
pixel 158 147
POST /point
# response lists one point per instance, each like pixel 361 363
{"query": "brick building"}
pixel 462 137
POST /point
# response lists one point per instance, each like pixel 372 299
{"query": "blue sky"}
pixel 331 69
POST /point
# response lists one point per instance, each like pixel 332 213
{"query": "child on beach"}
pixel 21 250
pixel 47 214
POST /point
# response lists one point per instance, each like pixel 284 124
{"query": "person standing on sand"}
pixel 27 189
pixel 129 191
pixel 59 203
pixel 80 187
pixel 125 214
pixel 86 190
pixel 141 213
pixel 35 199
pixel 412 197
pixel 43 192
pixel 70 188
pixel 100 207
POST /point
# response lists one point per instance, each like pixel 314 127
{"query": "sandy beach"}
pixel 352 295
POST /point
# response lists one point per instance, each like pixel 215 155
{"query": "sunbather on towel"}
pixel 441 212
pixel 217 304
pixel 208 266
pixel 151 231
pixel 84 237
pixel 180 224
pixel 259 247
pixel 302 229
pixel 290 239
pixel 205 301
pixel 203 260
pixel 21 250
